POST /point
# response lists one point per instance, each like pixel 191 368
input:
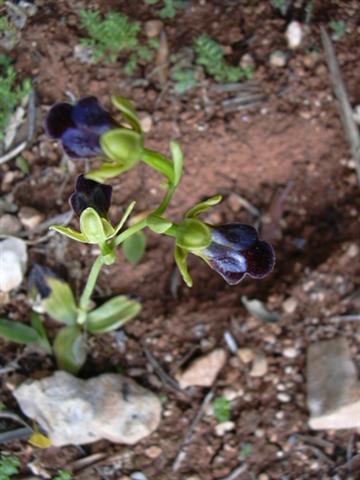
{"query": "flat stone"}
pixel 278 59
pixel 153 28
pixel 204 370
pixel 332 385
pixel 223 427
pixel 75 412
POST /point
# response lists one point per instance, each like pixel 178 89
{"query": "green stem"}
pixel 89 288
pixel 159 162
pixel 166 200
pixel 129 231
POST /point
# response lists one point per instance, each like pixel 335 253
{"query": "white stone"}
pixel 223 427
pixel 75 412
pixel 333 386
pixel 290 305
pixel 146 122
pixel 13 259
pixel 278 59
pixel 283 397
pixel 290 352
pixel 259 367
pixel 204 370
pixel 294 35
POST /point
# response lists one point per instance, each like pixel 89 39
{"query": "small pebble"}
pixel 259 367
pixel 138 476
pixel 246 355
pixel 153 452
pixel 283 397
pixel 290 305
pixel 30 217
pixel 294 35
pixel 153 28
pixel 222 428
pixel 290 352
pixel 278 59
pixel 146 122
pixel 263 476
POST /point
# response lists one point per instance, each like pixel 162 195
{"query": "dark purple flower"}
pixel 89 193
pixel 38 280
pixel 79 126
pixel 236 251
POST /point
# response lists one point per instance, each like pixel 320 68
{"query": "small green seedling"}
pixel 11 91
pixel 222 409
pixel 9 466
pixel 63 475
pixel 113 35
pixel 170 7
pixel 338 28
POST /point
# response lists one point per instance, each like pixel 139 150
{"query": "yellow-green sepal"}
pixel 126 107
pixel 193 234
pixel 106 171
pixel 122 145
pixel 181 262
pixel 203 206
pixel 178 161
pixel 92 227
pixel 121 223
pixel 158 224
pixel 69 232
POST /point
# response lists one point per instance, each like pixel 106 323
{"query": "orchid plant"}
pixel 87 130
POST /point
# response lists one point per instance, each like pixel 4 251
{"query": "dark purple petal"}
pixel 234 235
pixel 89 193
pixel 38 280
pixel 260 259
pixel 59 119
pixel 81 144
pixel 231 266
pixel 88 114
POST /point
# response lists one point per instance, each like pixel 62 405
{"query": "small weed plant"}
pixel 11 91
pixel 86 130
pixel 222 409
pixel 115 34
pixel 169 8
pixel 9 466
pixel 338 29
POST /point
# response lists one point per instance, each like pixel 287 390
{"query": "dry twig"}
pixel 235 474
pixel 180 457
pixel 346 113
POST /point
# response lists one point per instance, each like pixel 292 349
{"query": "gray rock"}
pixel 75 411
pixel 333 387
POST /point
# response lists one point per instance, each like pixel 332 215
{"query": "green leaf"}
pixel 112 314
pixel 181 261
pixel 222 409
pixel 60 304
pixel 178 160
pixel 17 332
pixel 70 349
pixel 38 326
pixel 92 227
pixel 106 171
pixel 128 211
pixel 126 107
pixel 203 206
pixel 134 247
pixel 69 232
pixel 158 224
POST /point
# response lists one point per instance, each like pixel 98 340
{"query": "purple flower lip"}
pixel 89 193
pixel 236 251
pixel 79 126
